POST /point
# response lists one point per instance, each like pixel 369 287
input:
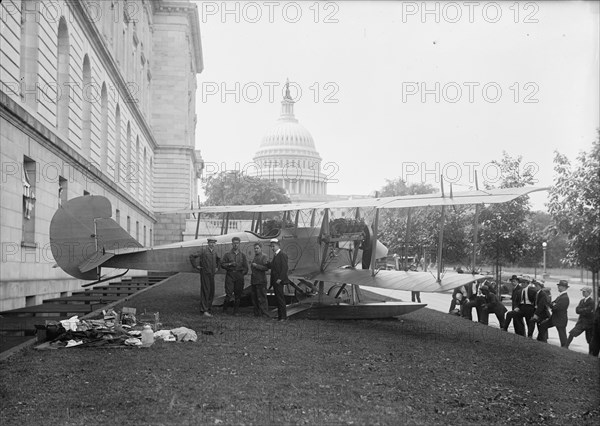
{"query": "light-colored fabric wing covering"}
pixel 397 280
pixel 488 196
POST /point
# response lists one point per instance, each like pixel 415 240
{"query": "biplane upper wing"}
pixel 488 196
pixel 397 280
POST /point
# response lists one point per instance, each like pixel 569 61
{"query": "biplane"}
pixel 329 263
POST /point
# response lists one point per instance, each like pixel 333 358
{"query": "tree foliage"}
pixel 503 233
pixel 235 188
pixel 575 206
pixel 421 238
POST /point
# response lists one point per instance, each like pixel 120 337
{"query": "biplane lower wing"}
pixel 397 280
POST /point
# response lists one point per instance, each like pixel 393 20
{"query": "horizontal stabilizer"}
pixel 90 264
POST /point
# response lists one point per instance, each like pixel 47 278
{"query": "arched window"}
pixel 118 144
pixel 86 108
pixel 29 52
pixel 103 128
pixel 63 67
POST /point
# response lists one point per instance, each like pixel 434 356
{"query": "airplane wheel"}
pixel 344 295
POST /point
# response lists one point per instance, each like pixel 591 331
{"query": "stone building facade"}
pixel 96 97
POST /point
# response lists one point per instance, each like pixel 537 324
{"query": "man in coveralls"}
pixel 236 265
pixel 207 262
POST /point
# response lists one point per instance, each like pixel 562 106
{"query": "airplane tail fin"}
pixel 83 235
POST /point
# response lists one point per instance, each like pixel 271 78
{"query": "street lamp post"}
pixel 544 246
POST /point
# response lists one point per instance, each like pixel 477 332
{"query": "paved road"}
pixel 441 302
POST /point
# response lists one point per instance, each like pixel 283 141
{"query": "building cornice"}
pixel 28 124
pixel 98 42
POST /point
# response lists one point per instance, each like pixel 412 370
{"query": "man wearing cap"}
pixel 236 265
pixel 585 309
pixel 279 277
pixel 559 317
pixel 207 262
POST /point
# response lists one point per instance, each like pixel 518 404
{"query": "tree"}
pixel 575 206
pixel 392 223
pixel 235 188
pixel 503 231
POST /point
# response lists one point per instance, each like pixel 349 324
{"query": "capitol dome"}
pixel 287 155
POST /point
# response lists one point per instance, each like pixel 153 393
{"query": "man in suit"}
pixel 542 312
pixel 279 277
pixel 559 317
pixel 491 305
pixel 585 323
pixel 515 314
pixel 206 262
pixel 475 300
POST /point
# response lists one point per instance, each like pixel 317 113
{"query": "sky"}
pixel 402 89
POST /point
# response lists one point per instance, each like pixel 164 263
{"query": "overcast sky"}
pixel 402 89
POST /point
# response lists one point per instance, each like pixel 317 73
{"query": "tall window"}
pixel 29 180
pixel 127 168
pixel 29 52
pixel 129 225
pixel 144 236
pixel 118 216
pixel 143 179
pixel 63 94
pixel 103 128
pixel 117 144
pixel 138 169
pixel 86 112
pixel 137 230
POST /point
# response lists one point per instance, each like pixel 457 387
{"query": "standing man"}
pixel 236 265
pixel 258 281
pixel 559 313
pixel 207 262
pixel 585 323
pixel 542 312
pixel 515 314
pixel 279 277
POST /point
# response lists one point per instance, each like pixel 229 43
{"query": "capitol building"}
pixel 287 156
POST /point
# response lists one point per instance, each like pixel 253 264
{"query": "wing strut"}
pixel 441 240
pixel 374 242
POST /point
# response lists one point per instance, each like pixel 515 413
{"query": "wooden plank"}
pixel 25 323
pixel 87 299
pixel 52 308
pixel 115 291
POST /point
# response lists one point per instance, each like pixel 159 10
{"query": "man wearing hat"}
pixel 558 318
pixel 236 265
pixel 279 277
pixel 207 262
pixel 585 309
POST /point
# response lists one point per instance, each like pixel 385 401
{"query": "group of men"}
pixel 532 306
pixel 236 265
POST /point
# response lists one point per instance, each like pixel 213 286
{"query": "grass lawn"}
pixel 425 368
